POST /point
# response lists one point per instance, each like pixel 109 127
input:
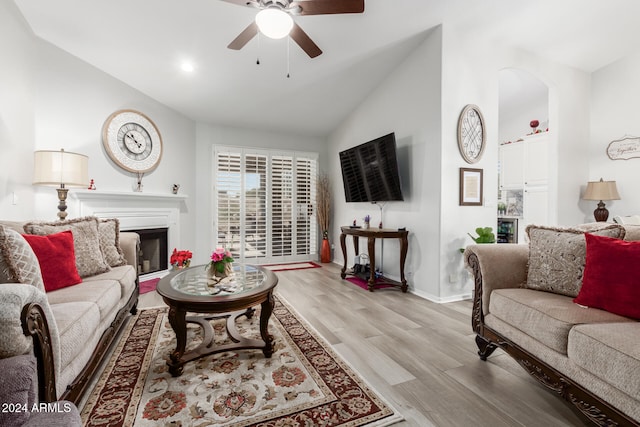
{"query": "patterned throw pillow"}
pixel 89 259
pixel 557 256
pixel 18 263
pixel 109 234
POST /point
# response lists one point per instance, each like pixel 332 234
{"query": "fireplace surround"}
pixel 146 213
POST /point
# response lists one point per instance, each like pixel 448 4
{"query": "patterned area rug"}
pixel 304 383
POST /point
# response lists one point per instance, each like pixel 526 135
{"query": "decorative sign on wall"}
pixel 624 149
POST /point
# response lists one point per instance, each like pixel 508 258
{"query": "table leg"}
pixel 343 245
pixel 265 313
pixel 371 248
pixel 177 319
pixel 404 247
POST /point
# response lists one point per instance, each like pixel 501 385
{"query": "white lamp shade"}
pixel 274 23
pixel 60 168
pixel 601 190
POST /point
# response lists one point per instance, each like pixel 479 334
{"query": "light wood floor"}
pixel 421 356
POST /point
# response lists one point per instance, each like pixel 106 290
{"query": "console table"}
pixel 372 234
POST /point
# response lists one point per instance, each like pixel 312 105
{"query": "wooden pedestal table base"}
pixel 190 291
pixel 179 320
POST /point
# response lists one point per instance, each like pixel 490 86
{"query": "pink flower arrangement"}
pixel 219 258
pixel 180 259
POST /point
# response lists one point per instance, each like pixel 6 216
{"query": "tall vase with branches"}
pixel 323 213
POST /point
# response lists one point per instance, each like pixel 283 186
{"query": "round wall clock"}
pixel 132 141
pixel 471 133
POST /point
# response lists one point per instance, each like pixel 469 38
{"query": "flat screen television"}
pixel 370 171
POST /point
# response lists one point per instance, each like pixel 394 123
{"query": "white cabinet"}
pixel 511 166
pixel 524 175
pixel 536 160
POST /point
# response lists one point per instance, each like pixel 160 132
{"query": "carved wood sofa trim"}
pixel 34 324
pixel 588 406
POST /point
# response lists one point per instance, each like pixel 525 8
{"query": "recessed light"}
pixel 187 67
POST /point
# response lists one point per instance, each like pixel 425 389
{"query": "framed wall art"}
pixel 470 187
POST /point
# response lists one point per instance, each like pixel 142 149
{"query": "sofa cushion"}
pixel 109 235
pixel 557 256
pixel 125 275
pixel 609 351
pixel 56 258
pixel 77 323
pixel 89 259
pixel 18 263
pixel 105 294
pixel 545 316
pixel 611 276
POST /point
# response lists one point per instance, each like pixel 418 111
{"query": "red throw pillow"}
pixel 611 279
pixel 57 259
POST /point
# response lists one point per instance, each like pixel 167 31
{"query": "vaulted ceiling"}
pixel 144 43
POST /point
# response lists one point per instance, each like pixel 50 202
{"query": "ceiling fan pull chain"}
pixel 258 60
pixel 288 56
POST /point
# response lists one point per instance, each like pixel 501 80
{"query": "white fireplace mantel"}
pixel 135 211
pixel 83 195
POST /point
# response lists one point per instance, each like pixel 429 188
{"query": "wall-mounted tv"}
pixel 370 171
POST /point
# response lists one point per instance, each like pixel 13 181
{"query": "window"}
pixel 264 204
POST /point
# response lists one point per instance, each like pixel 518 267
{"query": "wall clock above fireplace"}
pixel 132 141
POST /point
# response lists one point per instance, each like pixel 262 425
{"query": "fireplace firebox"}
pixel 154 253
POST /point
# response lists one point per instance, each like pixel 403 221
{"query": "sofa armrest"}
pixel 130 245
pixel 496 266
pixel 27 325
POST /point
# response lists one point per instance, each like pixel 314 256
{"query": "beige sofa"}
pixel 523 304
pixel 68 329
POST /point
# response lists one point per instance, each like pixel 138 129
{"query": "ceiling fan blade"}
pixel 327 7
pixel 304 41
pixel 244 37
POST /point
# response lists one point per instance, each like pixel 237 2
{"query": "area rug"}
pixel 361 283
pixel 148 285
pixel 304 383
pixel 291 266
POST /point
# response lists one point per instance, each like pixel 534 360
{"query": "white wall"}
pixel 17 99
pixel 522 98
pixel 615 91
pixel 208 135
pixel 52 100
pixel 421 101
pixel 407 102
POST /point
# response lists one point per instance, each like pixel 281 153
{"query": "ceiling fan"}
pixel 284 9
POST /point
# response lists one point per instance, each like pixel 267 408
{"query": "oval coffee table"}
pixel 190 290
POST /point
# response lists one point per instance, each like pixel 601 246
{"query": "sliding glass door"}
pixel 264 204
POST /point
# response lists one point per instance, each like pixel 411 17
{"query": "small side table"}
pixel 372 234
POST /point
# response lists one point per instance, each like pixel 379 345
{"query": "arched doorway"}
pixel 524 154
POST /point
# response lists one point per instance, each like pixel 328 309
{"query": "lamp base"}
pixel 62 202
pixel 601 214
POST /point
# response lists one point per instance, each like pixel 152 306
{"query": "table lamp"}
pixel 601 190
pixel 63 169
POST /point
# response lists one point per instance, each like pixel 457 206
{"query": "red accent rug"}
pixel 304 383
pixel 291 266
pixel 148 285
pixel 363 283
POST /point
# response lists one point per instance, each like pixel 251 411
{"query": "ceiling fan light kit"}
pixel 274 23
pixel 279 9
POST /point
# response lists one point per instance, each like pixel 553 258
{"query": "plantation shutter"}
pixel 263 204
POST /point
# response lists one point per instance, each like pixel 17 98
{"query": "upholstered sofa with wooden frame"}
pixel 69 329
pixel 524 305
